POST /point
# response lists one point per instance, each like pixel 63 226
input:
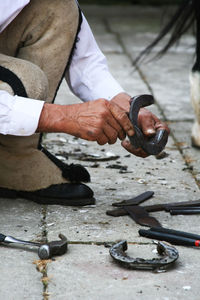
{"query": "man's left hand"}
pixel 147 121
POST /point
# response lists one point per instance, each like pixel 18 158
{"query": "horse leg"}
pixel 195 82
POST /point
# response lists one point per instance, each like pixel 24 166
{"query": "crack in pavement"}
pixel 150 89
pixel 105 244
pixel 41 265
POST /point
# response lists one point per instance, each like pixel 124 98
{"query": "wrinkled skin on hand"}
pixel 99 120
pixel 147 121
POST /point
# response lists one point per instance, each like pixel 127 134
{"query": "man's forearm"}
pixel 55 118
pixel 99 120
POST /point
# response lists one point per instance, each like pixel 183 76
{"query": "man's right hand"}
pixel 99 120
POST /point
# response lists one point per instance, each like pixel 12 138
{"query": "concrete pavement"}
pixel 87 271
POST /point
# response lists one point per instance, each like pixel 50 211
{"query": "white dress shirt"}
pixel 88 77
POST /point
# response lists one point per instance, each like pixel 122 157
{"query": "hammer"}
pixel 45 251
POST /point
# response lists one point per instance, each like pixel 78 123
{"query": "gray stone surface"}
pixel 80 277
pixel 19 278
pixel 91 224
pixel 87 271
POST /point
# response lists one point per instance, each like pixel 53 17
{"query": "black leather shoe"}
pixel 68 194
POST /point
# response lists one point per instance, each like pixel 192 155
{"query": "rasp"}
pixel 135 200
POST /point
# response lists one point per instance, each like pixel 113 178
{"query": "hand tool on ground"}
pixel 169 253
pixel 136 212
pixel 185 211
pixel 169 206
pixel 46 250
pixel 153 145
pixel 135 200
pixel 141 216
pixel 155 207
pixel 173 236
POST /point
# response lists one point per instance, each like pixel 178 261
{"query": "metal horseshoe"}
pixel 153 145
pixel 169 253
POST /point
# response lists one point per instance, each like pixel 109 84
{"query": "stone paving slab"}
pixel 87 271
pixel 77 275
pixel 134 36
pixel 125 74
pixel 166 76
pixel 19 278
pixel 182 135
pixel 171 179
pixel 21 217
pixel 167 90
pixel 92 224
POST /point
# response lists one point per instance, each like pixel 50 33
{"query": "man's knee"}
pixel 23 78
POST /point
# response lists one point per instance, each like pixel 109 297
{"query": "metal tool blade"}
pixel 141 216
pixel 135 200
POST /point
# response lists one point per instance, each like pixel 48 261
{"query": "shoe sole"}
pixel 63 202
pixel 11 194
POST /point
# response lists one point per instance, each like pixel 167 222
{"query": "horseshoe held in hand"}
pixel 153 145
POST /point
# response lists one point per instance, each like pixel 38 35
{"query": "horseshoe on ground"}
pixel 169 256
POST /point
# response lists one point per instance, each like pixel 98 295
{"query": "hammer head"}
pixel 53 248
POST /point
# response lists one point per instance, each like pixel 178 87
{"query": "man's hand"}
pixel 98 120
pixel 149 124
pixel 147 121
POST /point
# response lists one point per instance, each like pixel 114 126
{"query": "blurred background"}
pixel 131 2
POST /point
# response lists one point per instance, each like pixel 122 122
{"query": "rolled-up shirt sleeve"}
pixel 18 115
pixel 88 76
pixel 9 9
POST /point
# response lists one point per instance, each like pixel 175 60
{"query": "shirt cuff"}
pixel 24 116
